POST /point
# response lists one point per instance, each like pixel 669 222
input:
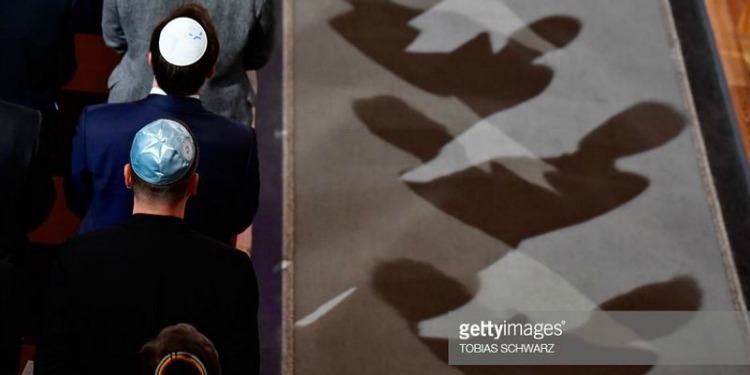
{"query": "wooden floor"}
pixel 733 38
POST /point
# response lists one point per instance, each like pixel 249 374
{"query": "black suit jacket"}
pixel 26 196
pixel 26 191
pixel 36 37
pixel 113 290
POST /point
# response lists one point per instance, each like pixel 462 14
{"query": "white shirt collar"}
pixel 159 91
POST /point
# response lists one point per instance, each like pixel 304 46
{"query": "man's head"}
pixel 180 349
pixel 183 51
pixel 163 160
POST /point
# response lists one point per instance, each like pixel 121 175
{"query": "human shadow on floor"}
pixel 418 291
pixel 486 82
pixel 509 208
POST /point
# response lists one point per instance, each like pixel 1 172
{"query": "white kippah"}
pixel 182 41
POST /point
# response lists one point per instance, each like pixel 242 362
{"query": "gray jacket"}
pixel 245 31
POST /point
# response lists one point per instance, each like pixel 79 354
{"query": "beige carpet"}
pixel 512 156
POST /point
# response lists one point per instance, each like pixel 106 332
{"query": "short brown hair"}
pixel 185 80
pixel 170 194
pixel 178 338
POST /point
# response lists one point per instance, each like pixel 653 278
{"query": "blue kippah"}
pixel 162 152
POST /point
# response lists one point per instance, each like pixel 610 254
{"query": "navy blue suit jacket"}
pixel 227 198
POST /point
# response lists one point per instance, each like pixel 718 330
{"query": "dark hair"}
pixel 185 80
pixel 170 194
pixel 180 338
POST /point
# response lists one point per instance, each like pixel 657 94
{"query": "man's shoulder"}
pixel 230 125
pixel 89 250
pixel 222 263
pixel 110 120
pixel 24 123
pixel 217 250
pixel 14 111
pixel 126 117
pixel 98 241
pixel 89 241
pixel 112 109
pixel 224 130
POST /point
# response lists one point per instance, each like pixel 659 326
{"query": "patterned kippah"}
pixel 162 152
pixel 180 363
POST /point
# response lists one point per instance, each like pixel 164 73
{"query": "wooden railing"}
pixel 730 20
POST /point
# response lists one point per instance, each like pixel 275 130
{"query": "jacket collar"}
pixel 157 223
pixel 159 91
pixel 177 103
